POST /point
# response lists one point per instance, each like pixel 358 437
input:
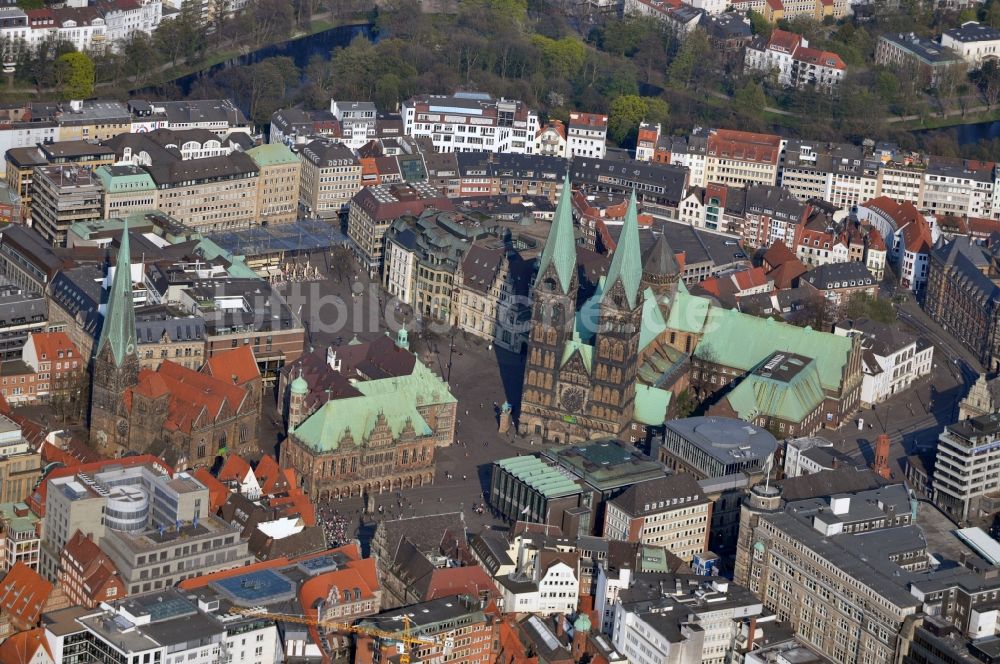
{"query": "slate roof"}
pixel 675 492
pixel 839 275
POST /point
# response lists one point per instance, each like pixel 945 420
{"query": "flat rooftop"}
pixel 723 437
pixel 606 464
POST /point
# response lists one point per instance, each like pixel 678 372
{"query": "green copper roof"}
pixel 540 476
pixel 791 401
pixel 237 268
pixel 688 313
pixel 582 623
pixel 116 184
pixel 560 247
pixel 299 386
pixel 626 264
pixel 586 353
pixel 272 154
pixel 651 405
pixel 119 316
pixel 652 319
pixel 743 341
pixel 394 398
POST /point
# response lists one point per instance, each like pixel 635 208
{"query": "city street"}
pixel 914 418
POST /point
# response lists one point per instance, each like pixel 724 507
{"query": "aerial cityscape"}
pixel 500 331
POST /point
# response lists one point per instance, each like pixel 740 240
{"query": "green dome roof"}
pixel 300 386
pixel 582 623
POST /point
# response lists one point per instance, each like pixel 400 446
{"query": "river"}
pixel 301 50
pixel 967 134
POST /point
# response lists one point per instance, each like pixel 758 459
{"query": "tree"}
pixel 75 75
pixel 749 101
pixel 760 25
pixel 563 58
pixel 627 112
pixel 691 59
pixel 657 111
pixel 988 79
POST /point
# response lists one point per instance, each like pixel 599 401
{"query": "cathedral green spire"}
pixel 118 329
pixel 560 248
pixel 626 264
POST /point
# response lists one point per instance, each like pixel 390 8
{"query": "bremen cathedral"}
pixel 598 369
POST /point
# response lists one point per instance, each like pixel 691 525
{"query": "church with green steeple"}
pixel 582 377
pixel 116 363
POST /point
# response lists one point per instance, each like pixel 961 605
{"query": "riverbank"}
pixel 234 55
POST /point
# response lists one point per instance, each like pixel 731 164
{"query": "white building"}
pixel 586 135
pixel 609 585
pixel 471 121
pixel 891 359
pixel 967 467
pixel 164 626
pixel 357 121
pixel 976 43
pixel 710 6
pixel 548 584
pixel 125 18
pixel 796 461
pixel 908 235
pixel 795 64
pixel 680 618
pixel 550 140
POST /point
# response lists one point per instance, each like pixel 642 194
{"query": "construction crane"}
pixel 404 637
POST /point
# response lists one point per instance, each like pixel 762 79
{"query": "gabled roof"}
pixel 48 345
pixel 217 491
pixel 238 363
pixel 234 469
pixel 660 259
pixel 23 593
pixel 23 647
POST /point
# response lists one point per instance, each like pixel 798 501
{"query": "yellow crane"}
pixel 404 636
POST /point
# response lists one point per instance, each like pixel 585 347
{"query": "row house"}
pixel 331 176
pixel 485 174
pixel 690 152
pixel 840 173
pixel 771 214
pixel 357 120
pixel 707 207
pixel 471 121
pixel 741 158
pixel 817 10
pixel 909 236
pixel 795 65
pixel 586 135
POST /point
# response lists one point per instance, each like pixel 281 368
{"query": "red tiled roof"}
pixel 744 145
pixel 49 344
pixel 778 254
pixel 448 581
pixel 23 593
pixel 875 240
pixel 218 493
pixel 191 394
pixel 239 362
pixel 750 278
pixel 588 120
pixel 784 41
pixel 21 647
pixel 235 469
pixel 269 476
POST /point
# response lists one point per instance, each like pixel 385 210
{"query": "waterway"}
pixel 967 134
pixel 301 50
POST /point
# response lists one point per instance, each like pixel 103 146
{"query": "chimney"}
pixel 881 464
